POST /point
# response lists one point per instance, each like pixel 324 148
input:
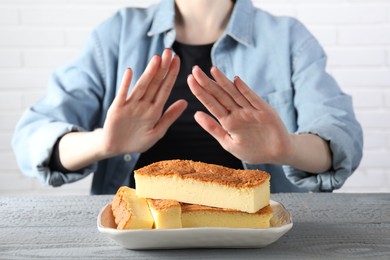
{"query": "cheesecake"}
pixel 131 211
pixel 204 184
pixel 203 216
pixel 166 213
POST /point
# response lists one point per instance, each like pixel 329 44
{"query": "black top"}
pixel 186 139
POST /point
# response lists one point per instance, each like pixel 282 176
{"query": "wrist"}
pixel 288 156
pixel 102 149
pixel 308 152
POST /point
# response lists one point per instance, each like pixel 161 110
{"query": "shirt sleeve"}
pixel 324 110
pixel 72 103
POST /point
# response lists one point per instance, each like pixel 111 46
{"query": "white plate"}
pixel 281 223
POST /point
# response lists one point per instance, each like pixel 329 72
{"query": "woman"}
pixel 281 112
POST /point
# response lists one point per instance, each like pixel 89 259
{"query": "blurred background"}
pixel 37 36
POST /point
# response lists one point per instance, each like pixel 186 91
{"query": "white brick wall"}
pixel 36 36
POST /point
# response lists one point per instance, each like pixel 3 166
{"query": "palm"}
pixel 246 126
pixel 135 122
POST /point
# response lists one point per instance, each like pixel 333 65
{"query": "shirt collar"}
pixel 240 26
pixel 164 18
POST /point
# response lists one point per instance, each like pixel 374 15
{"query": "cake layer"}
pixel 172 214
pixel 203 216
pixel 204 184
pixel 166 213
pixel 131 211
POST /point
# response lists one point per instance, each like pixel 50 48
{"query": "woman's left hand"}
pixel 244 124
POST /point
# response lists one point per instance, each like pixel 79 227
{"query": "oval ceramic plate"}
pixel 281 223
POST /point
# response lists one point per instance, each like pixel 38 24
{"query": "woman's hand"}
pixel 249 128
pixel 136 122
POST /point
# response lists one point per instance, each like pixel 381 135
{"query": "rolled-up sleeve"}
pixel 324 110
pixel 72 103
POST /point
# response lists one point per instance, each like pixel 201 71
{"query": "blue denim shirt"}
pixel 276 56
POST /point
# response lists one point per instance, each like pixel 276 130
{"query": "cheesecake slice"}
pixel 203 216
pixel 204 184
pixel 131 211
pixel 166 213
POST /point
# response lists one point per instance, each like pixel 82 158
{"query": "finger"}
pixel 155 84
pixel 143 82
pixel 211 126
pixel 252 97
pixel 209 101
pixel 229 87
pixel 170 116
pixel 168 82
pixel 214 89
pixel 124 88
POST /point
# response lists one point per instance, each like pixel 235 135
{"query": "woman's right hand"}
pixel 135 122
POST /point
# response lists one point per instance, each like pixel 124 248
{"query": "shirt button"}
pixel 127 157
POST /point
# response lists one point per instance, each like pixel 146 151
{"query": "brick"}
pixel 327 36
pixel 22 37
pixel 48 58
pixel 14 182
pixel 31 98
pixel 297 2
pixel 9 16
pixel 364 98
pixel 65 16
pixel 348 57
pixel 377 177
pixel 8 162
pixel 387 98
pixel 342 14
pixel 10 101
pixel 77 37
pixel 371 1
pixel 138 3
pixel 51 2
pixel 376 159
pixel 279 10
pixel 362 77
pixel 5 141
pixel 376 119
pixel 387 142
pixel 24 79
pixel 10 59
pixel 375 139
pixel 365 35
pixel 388 58
pixel 8 120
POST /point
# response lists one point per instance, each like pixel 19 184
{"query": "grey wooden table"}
pixel 326 226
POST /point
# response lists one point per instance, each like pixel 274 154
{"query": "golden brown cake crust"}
pixel 121 210
pixel 187 169
pixel 186 208
pixel 161 205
